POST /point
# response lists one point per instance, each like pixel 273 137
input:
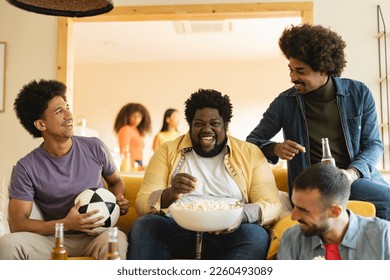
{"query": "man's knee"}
pixel 259 239
pixel 6 247
pixel 12 246
pixel 147 224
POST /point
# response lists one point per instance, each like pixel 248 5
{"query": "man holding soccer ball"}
pixel 53 175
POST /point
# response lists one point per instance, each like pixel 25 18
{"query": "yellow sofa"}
pixel 133 184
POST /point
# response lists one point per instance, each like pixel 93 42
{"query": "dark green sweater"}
pixel 323 121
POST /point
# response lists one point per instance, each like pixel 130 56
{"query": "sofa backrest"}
pixel 133 184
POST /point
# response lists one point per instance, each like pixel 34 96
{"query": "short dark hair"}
pixel 208 98
pixel 32 102
pixel 316 46
pixel 331 182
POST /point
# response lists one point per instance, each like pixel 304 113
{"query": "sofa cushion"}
pixel 276 233
pixel 133 185
pixel 362 208
pixel 281 180
pixel 4 199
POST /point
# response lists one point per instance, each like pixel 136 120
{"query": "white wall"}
pixel 251 85
pixel 31 54
pixel 31 41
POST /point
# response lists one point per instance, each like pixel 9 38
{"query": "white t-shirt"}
pixel 214 180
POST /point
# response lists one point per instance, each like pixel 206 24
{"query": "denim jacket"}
pixel 359 122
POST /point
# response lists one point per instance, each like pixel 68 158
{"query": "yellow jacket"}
pixel 244 161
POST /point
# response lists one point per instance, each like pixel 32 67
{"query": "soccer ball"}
pixel 102 199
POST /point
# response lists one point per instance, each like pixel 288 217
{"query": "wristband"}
pixel 357 173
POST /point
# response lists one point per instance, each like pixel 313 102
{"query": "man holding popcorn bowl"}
pixel 203 175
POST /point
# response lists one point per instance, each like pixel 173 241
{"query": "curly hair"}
pixel 123 118
pixel 32 102
pixel 208 98
pixel 316 46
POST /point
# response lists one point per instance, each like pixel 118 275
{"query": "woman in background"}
pixel 131 125
pixel 169 129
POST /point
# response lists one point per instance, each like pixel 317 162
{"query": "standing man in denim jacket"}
pixel 319 105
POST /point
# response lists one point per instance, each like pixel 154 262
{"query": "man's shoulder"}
pixel 292 236
pixel 176 145
pixel 89 145
pixel 32 155
pixel 347 80
pixel 290 92
pixel 293 232
pixel 238 142
pixel 347 86
pixel 83 140
pixel 242 145
pixel 372 223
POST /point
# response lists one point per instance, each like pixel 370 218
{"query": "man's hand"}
pixel 232 228
pixel 82 222
pixel 288 149
pixel 182 183
pixel 351 175
pixel 123 204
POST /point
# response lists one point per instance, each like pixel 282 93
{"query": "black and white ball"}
pixel 103 200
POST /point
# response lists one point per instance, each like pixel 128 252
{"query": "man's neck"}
pixel 337 231
pixel 57 148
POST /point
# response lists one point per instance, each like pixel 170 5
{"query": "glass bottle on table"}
pixel 112 250
pixel 59 251
pixel 326 153
pixel 126 160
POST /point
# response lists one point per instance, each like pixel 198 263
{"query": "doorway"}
pixel 65 53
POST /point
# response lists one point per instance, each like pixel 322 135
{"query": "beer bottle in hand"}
pixel 59 252
pixel 326 154
pixel 112 251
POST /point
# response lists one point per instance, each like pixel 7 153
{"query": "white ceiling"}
pixel 233 39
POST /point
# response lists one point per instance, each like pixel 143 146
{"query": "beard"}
pixel 215 151
pixel 314 230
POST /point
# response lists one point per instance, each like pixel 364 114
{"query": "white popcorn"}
pixel 319 258
pixel 204 204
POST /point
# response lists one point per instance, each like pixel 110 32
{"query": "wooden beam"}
pixel 62 47
pixel 175 12
pixel 202 12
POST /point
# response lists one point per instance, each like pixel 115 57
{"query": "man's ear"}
pixel 40 125
pixel 335 210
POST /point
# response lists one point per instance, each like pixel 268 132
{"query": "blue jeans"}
pixel 375 192
pixel 156 237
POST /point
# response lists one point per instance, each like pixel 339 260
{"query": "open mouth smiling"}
pixel 68 124
pixel 298 86
pixel 207 140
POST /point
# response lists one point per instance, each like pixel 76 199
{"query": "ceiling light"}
pixel 202 26
pixel 66 8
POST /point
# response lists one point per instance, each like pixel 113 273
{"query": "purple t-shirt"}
pixel 54 182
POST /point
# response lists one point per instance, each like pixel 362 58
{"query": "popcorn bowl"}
pixel 206 215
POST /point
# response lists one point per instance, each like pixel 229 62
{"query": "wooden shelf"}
pixel 381 34
pixel 383 79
